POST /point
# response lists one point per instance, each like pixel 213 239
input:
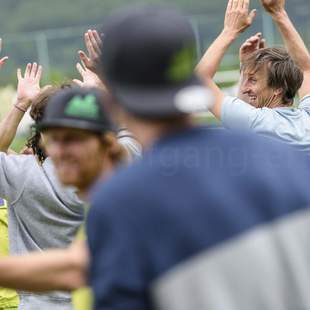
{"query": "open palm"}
pixel 29 85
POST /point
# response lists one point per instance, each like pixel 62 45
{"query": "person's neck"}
pixel 148 132
pixel 106 171
pixel 275 102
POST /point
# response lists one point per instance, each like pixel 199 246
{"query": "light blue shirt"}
pixel 290 125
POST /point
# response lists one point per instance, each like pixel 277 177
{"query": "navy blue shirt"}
pixel 193 191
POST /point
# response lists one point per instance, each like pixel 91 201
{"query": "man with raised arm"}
pixel 270 78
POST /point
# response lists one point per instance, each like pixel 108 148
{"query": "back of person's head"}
pixel 148 63
pixel 280 69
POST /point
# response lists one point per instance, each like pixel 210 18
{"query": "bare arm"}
pixel 292 40
pixel 46 271
pixel 237 19
pixel 28 87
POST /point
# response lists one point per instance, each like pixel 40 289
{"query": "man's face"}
pixel 254 88
pixel 77 154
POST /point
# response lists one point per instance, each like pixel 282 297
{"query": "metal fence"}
pixel 56 49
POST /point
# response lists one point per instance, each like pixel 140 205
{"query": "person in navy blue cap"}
pixel 207 219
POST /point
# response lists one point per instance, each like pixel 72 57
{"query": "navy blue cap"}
pixel 148 61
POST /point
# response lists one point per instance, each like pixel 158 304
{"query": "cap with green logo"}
pixel 76 108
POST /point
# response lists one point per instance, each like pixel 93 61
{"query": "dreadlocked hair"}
pixel 36 112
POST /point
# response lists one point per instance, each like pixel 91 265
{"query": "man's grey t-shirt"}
pixel 290 125
pixel 130 143
pixel 42 214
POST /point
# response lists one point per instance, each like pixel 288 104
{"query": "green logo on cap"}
pixel 83 107
pixel 182 65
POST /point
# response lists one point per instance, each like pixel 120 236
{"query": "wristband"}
pixel 19 108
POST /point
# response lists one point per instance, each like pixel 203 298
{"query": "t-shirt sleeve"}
pixel 132 147
pixel 115 273
pixel 12 175
pixel 305 102
pixel 237 114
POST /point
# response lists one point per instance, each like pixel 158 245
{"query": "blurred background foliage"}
pixel 51 31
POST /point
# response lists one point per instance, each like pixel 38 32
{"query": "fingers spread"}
pixel 262 43
pixel 246 4
pixel 97 37
pixel 19 74
pixel 3 60
pixel 229 5
pixel 27 71
pixel 236 4
pixel 78 82
pixel 89 45
pixel 251 17
pixel 39 73
pixel 80 69
pixel 33 71
pixel 93 35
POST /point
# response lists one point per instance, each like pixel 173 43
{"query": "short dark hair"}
pixel 282 71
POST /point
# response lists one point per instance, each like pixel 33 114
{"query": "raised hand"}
pixel 273 6
pixel 28 85
pixel 237 17
pixel 3 59
pixel 93 44
pixel 89 78
pixel 251 45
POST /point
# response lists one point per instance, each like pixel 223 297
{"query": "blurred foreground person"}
pixel 270 78
pixel 208 219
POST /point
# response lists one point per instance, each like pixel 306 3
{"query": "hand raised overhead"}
pixel 3 59
pixel 89 78
pixel 251 45
pixel 237 17
pixel 29 85
pixel 273 6
pixel 93 44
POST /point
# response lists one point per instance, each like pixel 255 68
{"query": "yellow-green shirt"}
pixel 8 298
pixel 82 298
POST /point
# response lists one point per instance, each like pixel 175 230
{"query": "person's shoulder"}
pixel 304 103
pixel 252 147
pixel 18 160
